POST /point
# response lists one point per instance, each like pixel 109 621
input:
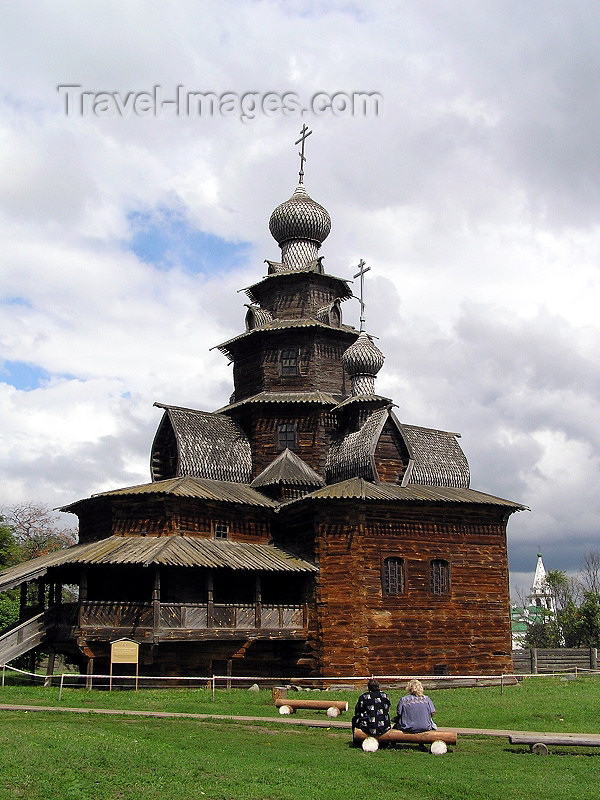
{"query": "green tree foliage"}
pixel 27 530
pixel 36 531
pixel 577 619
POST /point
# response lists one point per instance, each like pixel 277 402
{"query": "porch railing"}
pixel 182 616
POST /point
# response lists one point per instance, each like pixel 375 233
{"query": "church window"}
pixel 221 530
pixel 439 576
pixel 286 432
pixel 393 576
pixel 289 361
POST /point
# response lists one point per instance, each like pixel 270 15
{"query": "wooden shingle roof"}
pixel 360 489
pixel 288 469
pixel 175 551
pixel 351 455
pixel 437 458
pixel 318 398
pixel 188 486
pixel 279 325
pixel 208 445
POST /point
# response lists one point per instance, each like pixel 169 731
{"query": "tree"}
pixel 577 619
pixel 590 574
pixel 9 552
pixel 36 531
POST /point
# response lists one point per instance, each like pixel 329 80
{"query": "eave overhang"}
pixel 283 325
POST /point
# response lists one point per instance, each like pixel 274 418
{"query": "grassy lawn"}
pixel 72 757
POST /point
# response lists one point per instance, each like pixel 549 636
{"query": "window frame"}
pixel 217 529
pixel 440 584
pixel 289 362
pixel 399 580
pixel 287 436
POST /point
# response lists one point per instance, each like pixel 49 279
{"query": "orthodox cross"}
pixel 304 134
pixel 362 268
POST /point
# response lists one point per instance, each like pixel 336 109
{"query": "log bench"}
pixel 394 736
pixel 333 707
pixel 538 743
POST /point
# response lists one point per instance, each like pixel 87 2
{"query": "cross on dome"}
pixel 362 268
pixel 304 134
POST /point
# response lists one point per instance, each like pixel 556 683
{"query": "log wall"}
pixel 363 631
pixel 257 365
pixel 313 432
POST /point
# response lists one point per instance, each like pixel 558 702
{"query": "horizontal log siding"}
pixel 468 632
pixel 176 515
pixel 257 362
pixel 95 521
pixel 313 433
pixel 297 296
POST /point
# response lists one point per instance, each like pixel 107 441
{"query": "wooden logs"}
pixel 538 742
pixel 393 735
pixel 333 707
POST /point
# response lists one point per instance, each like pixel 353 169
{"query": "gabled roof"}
pixel 437 458
pixel 288 469
pixel 197 488
pixel 352 454
pixel 209 445
pixel 175 551
pixel 360 489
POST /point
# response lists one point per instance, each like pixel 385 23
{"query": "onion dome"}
pixel 299 226
pixel 362 361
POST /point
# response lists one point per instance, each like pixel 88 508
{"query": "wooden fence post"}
pixel 534 661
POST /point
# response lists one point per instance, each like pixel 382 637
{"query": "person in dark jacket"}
pixel 372 711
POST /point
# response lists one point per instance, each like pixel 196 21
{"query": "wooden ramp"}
pixel 23 637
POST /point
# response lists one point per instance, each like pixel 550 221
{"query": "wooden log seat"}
pixel 538 743
pixel 333 707
pixel 395 736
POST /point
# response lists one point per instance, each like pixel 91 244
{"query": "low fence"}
pixel 539 660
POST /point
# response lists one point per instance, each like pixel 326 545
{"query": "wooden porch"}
pixel 103 620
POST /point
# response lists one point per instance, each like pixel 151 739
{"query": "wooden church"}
pixel 301 530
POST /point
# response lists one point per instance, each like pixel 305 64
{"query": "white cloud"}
pixel 473 197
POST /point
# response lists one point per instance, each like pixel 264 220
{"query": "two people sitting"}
pixel 415 710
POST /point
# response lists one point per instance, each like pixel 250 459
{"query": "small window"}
pixel 393 576
pixel 221 530
pixel 289 361
pixel 286 432
pixel 439 576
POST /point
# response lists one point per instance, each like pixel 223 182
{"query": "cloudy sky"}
pixel 129 222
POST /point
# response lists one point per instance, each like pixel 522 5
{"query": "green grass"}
pixel 76 757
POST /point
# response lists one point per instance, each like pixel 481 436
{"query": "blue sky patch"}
pixel 23 376
pixel 166 239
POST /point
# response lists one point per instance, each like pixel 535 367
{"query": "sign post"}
pixel 124 651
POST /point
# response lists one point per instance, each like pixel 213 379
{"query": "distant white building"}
pixel 541 595
pixel 540 604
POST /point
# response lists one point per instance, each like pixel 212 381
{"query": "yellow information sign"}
pixel 124 651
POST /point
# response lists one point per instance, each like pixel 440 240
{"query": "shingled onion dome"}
pixel 362 361
pixel 299 226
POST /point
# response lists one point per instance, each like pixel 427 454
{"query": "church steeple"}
pixel 541 594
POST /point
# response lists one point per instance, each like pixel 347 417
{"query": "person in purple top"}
pixel 415 710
